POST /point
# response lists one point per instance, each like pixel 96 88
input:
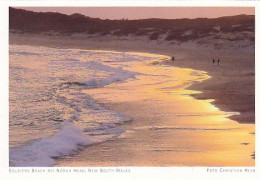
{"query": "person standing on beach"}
pixel 218 61
pixel 173 58
pixel 213 61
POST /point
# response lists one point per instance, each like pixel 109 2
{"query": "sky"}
pixel 148 12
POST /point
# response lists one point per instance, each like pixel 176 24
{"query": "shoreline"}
pixel 231 84
pixel 181 133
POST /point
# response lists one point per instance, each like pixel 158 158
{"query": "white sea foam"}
pixel 41 152
pixel 117 74
pixel 106 81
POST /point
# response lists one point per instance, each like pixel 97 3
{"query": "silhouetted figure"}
pixel 173 58
pixel 218 61
pixel 213 61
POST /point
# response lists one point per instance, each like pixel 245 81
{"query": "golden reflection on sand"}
pixel 171 128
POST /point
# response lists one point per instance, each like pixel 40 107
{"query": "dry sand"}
pixel 232 85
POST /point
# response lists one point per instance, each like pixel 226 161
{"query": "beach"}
pixel 189 112
pixel 232 84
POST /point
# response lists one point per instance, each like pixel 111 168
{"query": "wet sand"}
pixel 170 127
pixel 232 83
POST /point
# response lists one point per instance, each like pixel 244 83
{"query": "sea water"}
pixel 50 116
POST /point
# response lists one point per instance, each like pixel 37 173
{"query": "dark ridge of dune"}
pixel 182 30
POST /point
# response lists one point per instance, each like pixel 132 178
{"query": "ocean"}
pixel 49 114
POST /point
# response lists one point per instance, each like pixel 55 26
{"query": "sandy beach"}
pixel 201 134
pixel 232 82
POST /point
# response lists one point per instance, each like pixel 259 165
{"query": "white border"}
pixel 136 172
